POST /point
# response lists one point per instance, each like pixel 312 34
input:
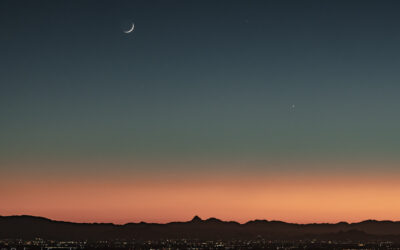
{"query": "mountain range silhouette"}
pixel 29 227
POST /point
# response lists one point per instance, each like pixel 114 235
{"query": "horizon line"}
pixel 198 218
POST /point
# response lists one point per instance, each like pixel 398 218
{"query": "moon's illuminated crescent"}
pixel 131 29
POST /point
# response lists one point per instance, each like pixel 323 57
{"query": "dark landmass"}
pixel 30 227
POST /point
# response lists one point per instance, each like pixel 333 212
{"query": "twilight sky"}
pixel 225 105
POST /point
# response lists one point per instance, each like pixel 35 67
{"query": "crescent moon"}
pixel 130 30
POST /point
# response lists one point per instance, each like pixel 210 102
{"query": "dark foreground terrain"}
pixel 28 232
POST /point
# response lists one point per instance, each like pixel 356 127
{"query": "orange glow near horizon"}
pixel 298 199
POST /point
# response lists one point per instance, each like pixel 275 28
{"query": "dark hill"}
pixel 28 227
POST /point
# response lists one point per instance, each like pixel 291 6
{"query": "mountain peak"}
pixel 196 219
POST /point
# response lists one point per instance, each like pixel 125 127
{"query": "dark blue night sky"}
pixel 200 81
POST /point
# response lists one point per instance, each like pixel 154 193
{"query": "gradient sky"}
pixel 259 108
